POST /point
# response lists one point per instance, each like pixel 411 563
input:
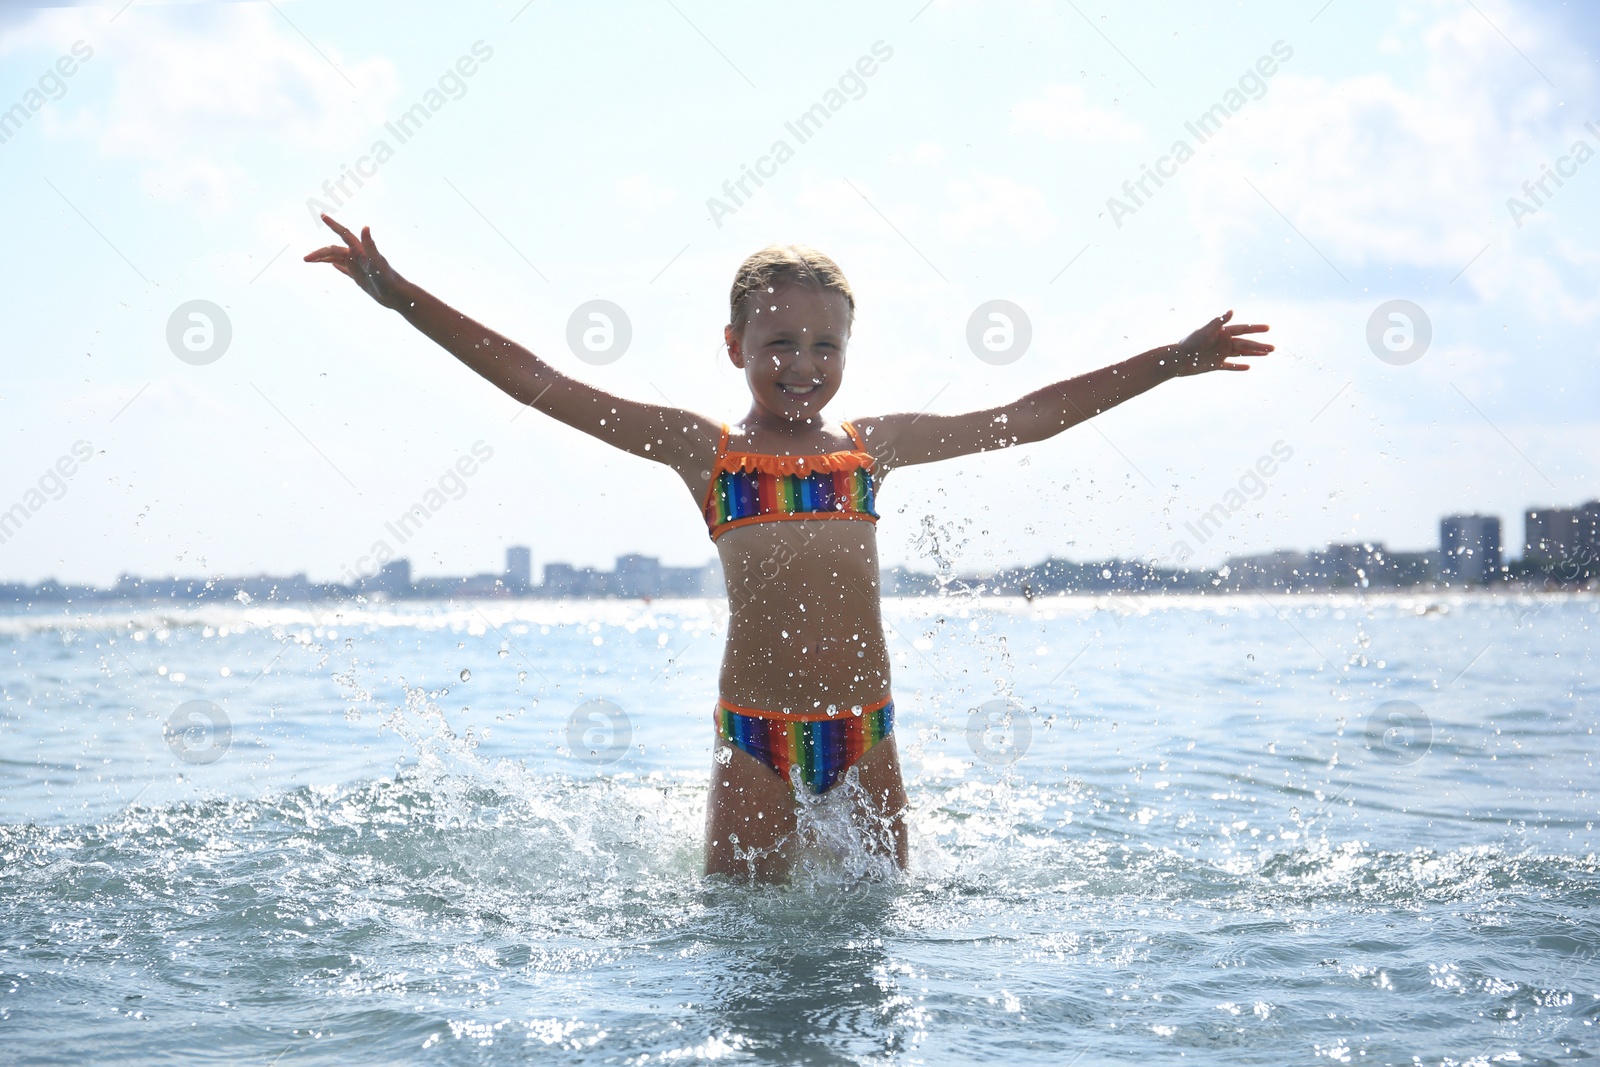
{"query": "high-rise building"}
pixel 1283 571
pixel 1552 535
pixel 394 578
pixel 1469 548
pixel 638 576
pixel 565 580
pixel 1411 568
pixel 1364 565
pixel 519 570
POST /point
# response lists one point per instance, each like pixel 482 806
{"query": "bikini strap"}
pixel 851 430
pixel 722 446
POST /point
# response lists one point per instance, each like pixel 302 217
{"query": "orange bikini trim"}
pixel 781 465
pixel 805 716
pixel 779 517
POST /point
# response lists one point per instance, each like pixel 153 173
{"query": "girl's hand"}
pixel 1214 344
pixel 361 260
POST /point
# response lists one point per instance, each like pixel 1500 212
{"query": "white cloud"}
pixel 1385 170
pixel 993 206
pixel 926 154
pixel 1065 111
pixel 163 401
pixel 639 193
pixel 188 95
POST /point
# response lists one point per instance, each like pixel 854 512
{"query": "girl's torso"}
pixel 798 545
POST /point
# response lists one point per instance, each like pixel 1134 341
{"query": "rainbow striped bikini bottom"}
pixel 820 749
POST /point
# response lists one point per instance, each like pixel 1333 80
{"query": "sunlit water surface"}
pixel 1207 832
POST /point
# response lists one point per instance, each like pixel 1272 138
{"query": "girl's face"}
pixel 792 349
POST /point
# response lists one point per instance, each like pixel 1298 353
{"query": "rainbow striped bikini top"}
pixel 748 487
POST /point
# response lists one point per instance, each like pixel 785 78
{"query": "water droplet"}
pixel 466 675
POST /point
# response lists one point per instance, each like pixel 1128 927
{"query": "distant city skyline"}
pixel 1559 544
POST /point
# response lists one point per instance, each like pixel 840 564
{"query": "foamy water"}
pixel 1217 829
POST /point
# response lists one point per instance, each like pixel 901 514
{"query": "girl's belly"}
pixel 805 627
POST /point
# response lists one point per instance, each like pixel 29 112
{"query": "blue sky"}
pixel 978 161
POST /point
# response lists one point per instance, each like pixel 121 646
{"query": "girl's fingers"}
pixel 349 238
pixel 1235 331
pixel 339 257
pixel 337 227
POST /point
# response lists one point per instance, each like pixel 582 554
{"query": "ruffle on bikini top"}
pixel 827 462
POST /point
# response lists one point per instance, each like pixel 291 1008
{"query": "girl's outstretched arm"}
pixel 904 439
pixel 680 439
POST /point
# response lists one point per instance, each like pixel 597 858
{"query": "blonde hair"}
pixel 800 264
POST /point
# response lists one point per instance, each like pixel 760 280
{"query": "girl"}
pixel 805 699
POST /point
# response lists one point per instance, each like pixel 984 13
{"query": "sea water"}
pixel 1264 830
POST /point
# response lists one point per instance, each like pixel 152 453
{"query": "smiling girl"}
pixel 789 499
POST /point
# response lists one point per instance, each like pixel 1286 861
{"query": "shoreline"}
pixel 474 613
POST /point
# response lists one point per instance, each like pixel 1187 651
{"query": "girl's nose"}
pixel 804 364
